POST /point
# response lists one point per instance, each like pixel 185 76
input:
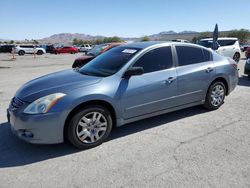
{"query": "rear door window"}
pixel 229 42
pixel 226 42
pixel 188 55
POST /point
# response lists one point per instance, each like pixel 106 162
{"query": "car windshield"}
pixel 97 49
pixel 110 62
pixel 206 43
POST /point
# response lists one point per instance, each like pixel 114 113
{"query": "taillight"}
pixel 233 63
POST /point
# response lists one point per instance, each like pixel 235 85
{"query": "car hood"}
pixel 63 81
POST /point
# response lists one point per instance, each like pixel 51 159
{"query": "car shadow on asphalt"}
pixel 244 81
pixel 14 152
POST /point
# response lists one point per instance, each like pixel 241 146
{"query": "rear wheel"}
pixel 215 95
pixel 21 52
pixel 89 127
pixel 39 52
pixel 236 57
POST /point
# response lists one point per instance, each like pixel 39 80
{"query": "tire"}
pixel 85 131
pixel 21 52
pixel 39 52
pixel 210 102
pixel 236 57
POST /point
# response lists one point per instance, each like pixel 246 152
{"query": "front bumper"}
pixel 39 129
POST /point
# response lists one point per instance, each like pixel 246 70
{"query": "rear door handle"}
pixel 209 69
pixel 170 80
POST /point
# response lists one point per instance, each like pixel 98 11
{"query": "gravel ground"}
pixel 189 148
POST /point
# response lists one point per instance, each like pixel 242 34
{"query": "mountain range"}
pixel 67 38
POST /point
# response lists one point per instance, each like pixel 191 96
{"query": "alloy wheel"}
pixel 91 127
pixel 217 95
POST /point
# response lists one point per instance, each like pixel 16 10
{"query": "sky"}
pixel 33 19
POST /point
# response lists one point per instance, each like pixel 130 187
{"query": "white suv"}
pixel 85 48
pixel 29 49
pixel 228 47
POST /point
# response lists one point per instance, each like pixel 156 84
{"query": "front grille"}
pixel 15 103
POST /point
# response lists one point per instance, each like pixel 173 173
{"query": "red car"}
pixel 97 50
pixel 247 52
pixel 66 49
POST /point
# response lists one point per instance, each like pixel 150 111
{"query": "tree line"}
pixel 20 42
pixel 97 41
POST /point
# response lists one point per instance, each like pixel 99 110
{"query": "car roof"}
pixel 143 45
pixel 221 38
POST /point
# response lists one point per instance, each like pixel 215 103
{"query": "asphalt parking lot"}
pixel 189 148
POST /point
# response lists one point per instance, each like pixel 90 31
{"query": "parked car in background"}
pixel 244 47
pixel 180 40
pixel 29 49
pixel 228 47
pixel 247 52
pixel 97 50
pixel 247 68
pixel 48 48
pixel 66 49
pixel 7 48
pixel 126 84
pixel 85 48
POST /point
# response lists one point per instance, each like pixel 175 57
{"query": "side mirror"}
pixel 133 71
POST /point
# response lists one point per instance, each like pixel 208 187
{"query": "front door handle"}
pixel 170 80
pixel 209 69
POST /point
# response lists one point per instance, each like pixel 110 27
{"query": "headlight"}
pixel 42 105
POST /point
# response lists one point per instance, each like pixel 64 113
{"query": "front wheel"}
pixel 89 127
pixel 215 95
